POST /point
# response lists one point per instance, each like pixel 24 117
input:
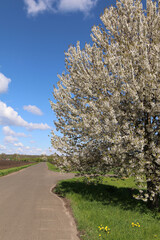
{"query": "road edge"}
pixel 68 211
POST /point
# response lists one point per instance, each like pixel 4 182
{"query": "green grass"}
pixel 110 204
pixel 15 169
pixel 52 167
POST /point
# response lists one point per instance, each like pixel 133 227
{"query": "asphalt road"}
pixel 30 211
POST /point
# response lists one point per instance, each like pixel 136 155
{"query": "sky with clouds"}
pixel 34 36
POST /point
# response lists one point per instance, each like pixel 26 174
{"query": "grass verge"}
pixel 52 167
pixel 15 169
pixel 110 204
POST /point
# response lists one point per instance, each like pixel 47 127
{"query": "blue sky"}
pixel 34 36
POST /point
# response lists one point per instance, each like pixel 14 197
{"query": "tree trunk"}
pixel 151 167
pixel 152 204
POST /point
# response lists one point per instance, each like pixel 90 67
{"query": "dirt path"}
pixel 30 211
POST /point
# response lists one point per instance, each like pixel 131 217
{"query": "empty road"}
pixel 30 211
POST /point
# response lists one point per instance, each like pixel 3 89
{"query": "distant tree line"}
pixel 21 157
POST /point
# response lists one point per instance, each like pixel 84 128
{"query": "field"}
pixel 5 164
pixel 7 167
pixel 108 211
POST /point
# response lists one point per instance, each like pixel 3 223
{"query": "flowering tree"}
pixel 84 122
pixel 108 102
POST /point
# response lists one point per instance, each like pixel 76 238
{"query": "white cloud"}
pixel 8 131
pixel 40 126
pixel 8 116
pixel 19 144
pixel 2 147
pixel 76 5
pixel 4 81
pixel 10 139
pixel 33 109
pixel 20 150
pixel 34 7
